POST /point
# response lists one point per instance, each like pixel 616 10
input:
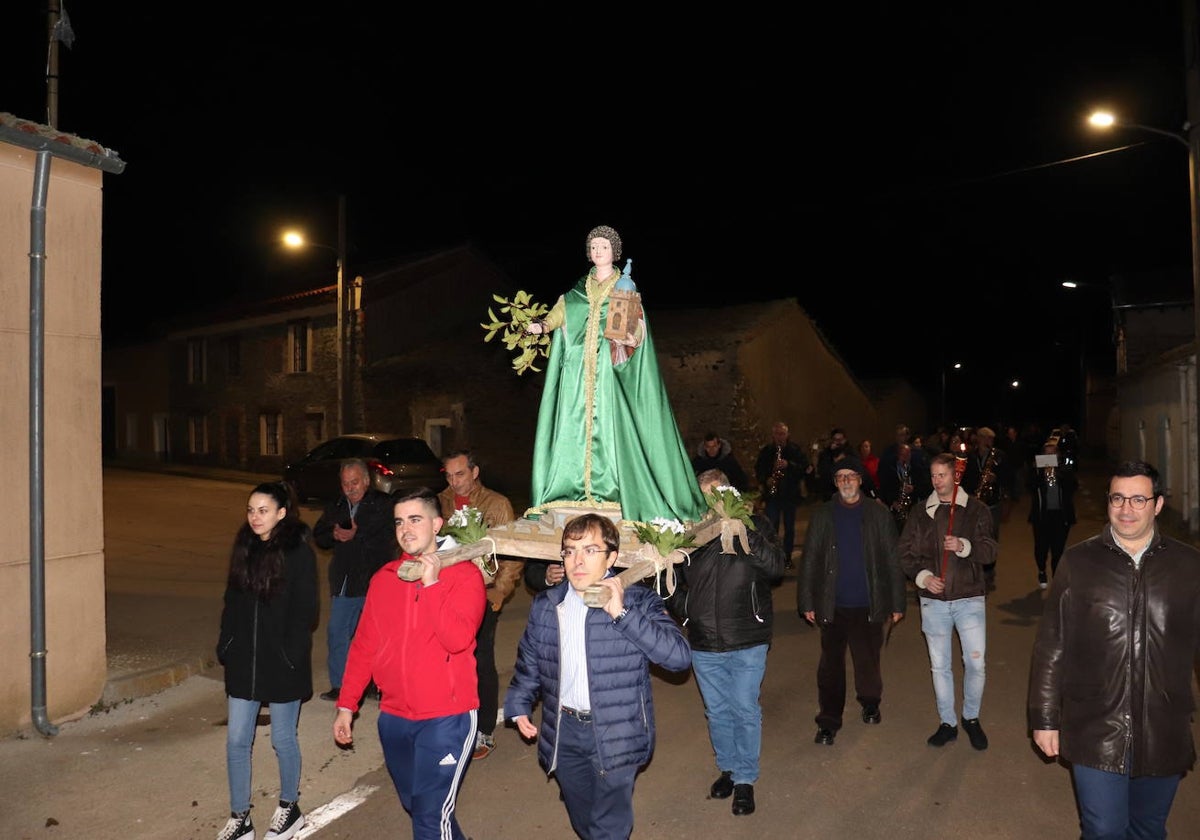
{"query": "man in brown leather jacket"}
pixel 946 554
pixel 464 489
pixel 1110 688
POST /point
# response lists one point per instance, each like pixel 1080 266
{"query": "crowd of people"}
pixel 588 668
pixel 413 626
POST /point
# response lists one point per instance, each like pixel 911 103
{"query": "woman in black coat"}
pixel 265 645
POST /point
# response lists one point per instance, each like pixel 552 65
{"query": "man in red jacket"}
pixel 417 640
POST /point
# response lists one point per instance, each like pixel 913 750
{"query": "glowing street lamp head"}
pixel 1102 119
pixel 294 239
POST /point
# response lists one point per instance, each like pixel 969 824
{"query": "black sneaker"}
pixel 871 714
pixel 1042 580
pixel 944 735
pixel 975 732
pixel 238 827
pixel 330 695
pixel 285 822
pixel 722 788
pixel 824 737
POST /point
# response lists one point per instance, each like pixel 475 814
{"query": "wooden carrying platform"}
pixel 541 540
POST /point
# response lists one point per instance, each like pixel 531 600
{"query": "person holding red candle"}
pixel 944 548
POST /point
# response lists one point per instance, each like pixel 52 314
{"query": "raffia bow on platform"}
pixel 731 528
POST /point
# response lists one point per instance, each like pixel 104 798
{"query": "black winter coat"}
pixel 724 600
pixel 816 589
pixel 354 562
pixel 266 646
pixel 1114 656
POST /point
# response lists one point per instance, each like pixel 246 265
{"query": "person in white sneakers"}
pixel 265 645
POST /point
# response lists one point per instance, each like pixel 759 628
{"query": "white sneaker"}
pixel 237 827
pixel 285 822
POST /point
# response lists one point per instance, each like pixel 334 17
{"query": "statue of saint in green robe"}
pixel 606 435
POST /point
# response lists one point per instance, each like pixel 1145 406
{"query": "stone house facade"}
pixel 240 396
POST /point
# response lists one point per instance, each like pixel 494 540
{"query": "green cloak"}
pixel 606 435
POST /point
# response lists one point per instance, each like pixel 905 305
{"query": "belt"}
pixel 582 717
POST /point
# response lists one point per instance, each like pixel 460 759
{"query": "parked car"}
pixel 396 464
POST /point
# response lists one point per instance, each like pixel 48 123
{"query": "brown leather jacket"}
pixel 497 510
pixel 1113 659
pixel 921 546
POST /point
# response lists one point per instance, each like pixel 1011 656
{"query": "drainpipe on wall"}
pixel 37 487
pixel 1188 423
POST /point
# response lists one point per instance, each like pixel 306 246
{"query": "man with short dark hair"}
pixel 1110 688
pixel 358 527
pixel 464 489
pixel 716 453
pixel 590 667
pixel 417 641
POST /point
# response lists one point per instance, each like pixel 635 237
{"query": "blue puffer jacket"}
pixel 619 657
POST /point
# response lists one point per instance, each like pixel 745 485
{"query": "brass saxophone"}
pixel 776 476
pixel 903 502
pixel 986 492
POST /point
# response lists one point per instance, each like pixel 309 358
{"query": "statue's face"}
pixel 601 251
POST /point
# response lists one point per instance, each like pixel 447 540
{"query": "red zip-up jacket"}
pixel 418 643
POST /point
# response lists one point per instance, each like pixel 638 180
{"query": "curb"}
pixel 131 686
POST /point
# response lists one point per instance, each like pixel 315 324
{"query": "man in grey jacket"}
pixel 851 586
pixel 1110 689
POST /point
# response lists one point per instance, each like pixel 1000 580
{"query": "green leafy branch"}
pixel 520 311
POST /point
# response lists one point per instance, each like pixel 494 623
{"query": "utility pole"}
pixel 52 18
pixel 1191 58
pixel 343 416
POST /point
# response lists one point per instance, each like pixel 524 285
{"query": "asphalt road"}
pixel 155 766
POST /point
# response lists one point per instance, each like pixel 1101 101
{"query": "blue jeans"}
pixel 938 621
pixel 239 744
pixel 1121 807
pixel 729 685
pixel 343 621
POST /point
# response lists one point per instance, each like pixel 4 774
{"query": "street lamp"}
pixel 294 239
pixel 955 366
pixel 1190 138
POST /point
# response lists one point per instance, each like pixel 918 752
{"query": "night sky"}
pixel 915 179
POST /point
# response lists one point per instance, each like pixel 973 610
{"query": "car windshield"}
pixel 404 450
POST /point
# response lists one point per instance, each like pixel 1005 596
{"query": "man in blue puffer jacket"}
pixel 597 726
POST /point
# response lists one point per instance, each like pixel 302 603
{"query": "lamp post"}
pixel 1190 140
pixel 294 239
pixel 957 366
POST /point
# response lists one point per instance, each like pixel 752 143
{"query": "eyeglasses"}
pixel 1136 502
pixel 847 479
pixel 589 551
